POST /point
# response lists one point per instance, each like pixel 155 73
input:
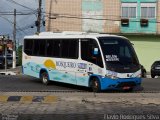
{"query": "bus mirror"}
pixel 95 52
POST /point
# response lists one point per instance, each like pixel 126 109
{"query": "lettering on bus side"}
pixel 66 64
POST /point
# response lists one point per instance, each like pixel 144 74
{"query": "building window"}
pixel 148 10
pixel 129 10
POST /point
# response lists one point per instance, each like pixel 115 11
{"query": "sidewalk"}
pixel 50 97
pixel 71 106
pixel 17 70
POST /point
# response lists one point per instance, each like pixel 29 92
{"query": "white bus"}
pixel 99 61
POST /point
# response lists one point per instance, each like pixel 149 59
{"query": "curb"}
pixel 29 99
pixel 8 73
pixel 83 98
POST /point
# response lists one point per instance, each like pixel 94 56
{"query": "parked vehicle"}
pixel 2 61
pixel 155 69
pixel 144 72
pixel 9 60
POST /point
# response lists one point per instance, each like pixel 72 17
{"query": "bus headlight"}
pixel 138 76
pixel 111 76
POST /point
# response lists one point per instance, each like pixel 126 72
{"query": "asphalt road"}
pixel 70 109
pixel 26 83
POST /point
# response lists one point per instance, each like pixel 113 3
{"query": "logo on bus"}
pixel 66 64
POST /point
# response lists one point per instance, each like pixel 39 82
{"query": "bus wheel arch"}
pixel 94 84
pixel 44 76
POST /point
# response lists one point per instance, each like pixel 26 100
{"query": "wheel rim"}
pixel 95 85
pixel 45 78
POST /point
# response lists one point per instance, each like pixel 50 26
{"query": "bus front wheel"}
pixel 95 85
pixel 44 78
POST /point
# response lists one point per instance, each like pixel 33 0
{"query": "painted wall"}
pixel 158 17
pixel 147 48
pixel 134 26
pixel 92 9
pixel 112 13
pixel 63 10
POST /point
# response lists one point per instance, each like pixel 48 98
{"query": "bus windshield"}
pixel 119 54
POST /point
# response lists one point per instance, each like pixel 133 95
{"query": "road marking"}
pixel 26 99
pixel 3 98
pixel 38 98
pixel 29 99
pixel 50 99
pixel 14 98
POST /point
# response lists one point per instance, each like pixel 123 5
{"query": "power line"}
pixel 12 1
pixel 95 15
pixel 16 13
pixel 27 26
pixel 12 24
pixel 92 18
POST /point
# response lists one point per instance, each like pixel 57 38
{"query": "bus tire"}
pixel 152 75
pixel 129 90
pixel 44 78
pixel 95 85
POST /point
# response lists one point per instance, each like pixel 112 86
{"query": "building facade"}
pixel 106 16
pixel 110 16
pixel 8 43
pixel 141 16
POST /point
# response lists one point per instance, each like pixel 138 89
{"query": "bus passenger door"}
pixel 90 63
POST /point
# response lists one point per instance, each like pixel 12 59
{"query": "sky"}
pixel 24 22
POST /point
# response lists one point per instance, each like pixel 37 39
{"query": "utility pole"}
pixel 39 17
pixel 14 40
pixel 5 49
pixel 49 20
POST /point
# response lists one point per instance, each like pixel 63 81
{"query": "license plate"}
pixel 126 88
pixel 157 67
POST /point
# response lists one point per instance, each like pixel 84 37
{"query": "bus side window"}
pixel 56 48
pixel 69 48
pixel 73 49
pixel 36 47
pixel 64 48
pixel 49 48
pixel 42 47
pixel 87 52
pixel 28 46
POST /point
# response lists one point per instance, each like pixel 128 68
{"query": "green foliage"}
pixel 19 53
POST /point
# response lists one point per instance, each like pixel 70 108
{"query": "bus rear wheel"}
pixel 44 78
pixel 95 85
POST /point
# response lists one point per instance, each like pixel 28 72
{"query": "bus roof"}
pixel 69 34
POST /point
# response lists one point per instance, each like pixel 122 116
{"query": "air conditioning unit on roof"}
pixel 73 33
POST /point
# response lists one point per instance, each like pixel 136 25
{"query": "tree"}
pixel 19 50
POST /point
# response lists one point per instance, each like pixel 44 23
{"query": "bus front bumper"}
pixel 121 83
